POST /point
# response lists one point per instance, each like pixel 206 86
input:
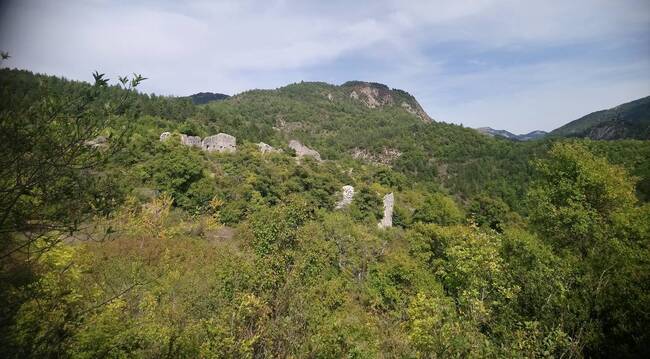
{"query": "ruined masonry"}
pixel 387 221
pixel 348 195
pixel 191 141
pixel 165 135
pixel 302 150
pixel 265 148
pixel 220 142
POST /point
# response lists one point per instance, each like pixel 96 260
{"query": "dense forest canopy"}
pixel 117 244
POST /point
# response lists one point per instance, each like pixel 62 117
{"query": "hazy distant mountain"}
pixel 629 120
pixel 205 97
pixel 534 135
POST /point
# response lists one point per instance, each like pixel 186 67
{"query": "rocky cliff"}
pixel 376 95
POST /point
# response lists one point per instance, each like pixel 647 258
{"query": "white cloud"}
pixel 231 46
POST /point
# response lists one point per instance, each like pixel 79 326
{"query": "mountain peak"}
pixel 375 95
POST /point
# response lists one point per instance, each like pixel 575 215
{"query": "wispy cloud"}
pixel 504 63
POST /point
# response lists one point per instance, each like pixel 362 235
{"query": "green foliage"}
pixel 367 206
pixel 439 209
pixel 436 331
pixel 56 137
pixel 490 212
pixel 178 171
pixel 243 254
pixel 578 196
pixel 585 208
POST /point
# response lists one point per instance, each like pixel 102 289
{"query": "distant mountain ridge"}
pixel 629 120
pixel 534 135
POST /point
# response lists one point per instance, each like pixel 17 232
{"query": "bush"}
pixel 439 209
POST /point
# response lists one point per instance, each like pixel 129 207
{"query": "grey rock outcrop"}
pixel 265 148
pixel 348 195
pixel 385 157
pixel 409 109
pixel 165 136
pixel 417 110
pixel 389 202
pixel 220 142
pixel 97 142
pixel 302 150
pixel 190 141
pixel 375 95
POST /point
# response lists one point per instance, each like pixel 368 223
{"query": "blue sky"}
pixel 515 65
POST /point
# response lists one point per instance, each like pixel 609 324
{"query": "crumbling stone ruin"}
pixel 265 148
pixel 220 142
pixel 302 150
pixel 387 221
pixel 348 195
pixel 165 135
pixel 191 141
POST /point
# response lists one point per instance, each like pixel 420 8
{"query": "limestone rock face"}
pixel 165 135
pixel 98 142
pixel 408 108
pixel 302 150
pixel 265 148
pixel 387 221
pixel 220 142
pixel 373 95
pixel 190 141
pixel 417 111
pixel 376 95
pixel 348 195
pixel 385 157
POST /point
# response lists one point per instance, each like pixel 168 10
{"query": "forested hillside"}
pixel 117 242
pixel 629 120
pixel 202 98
